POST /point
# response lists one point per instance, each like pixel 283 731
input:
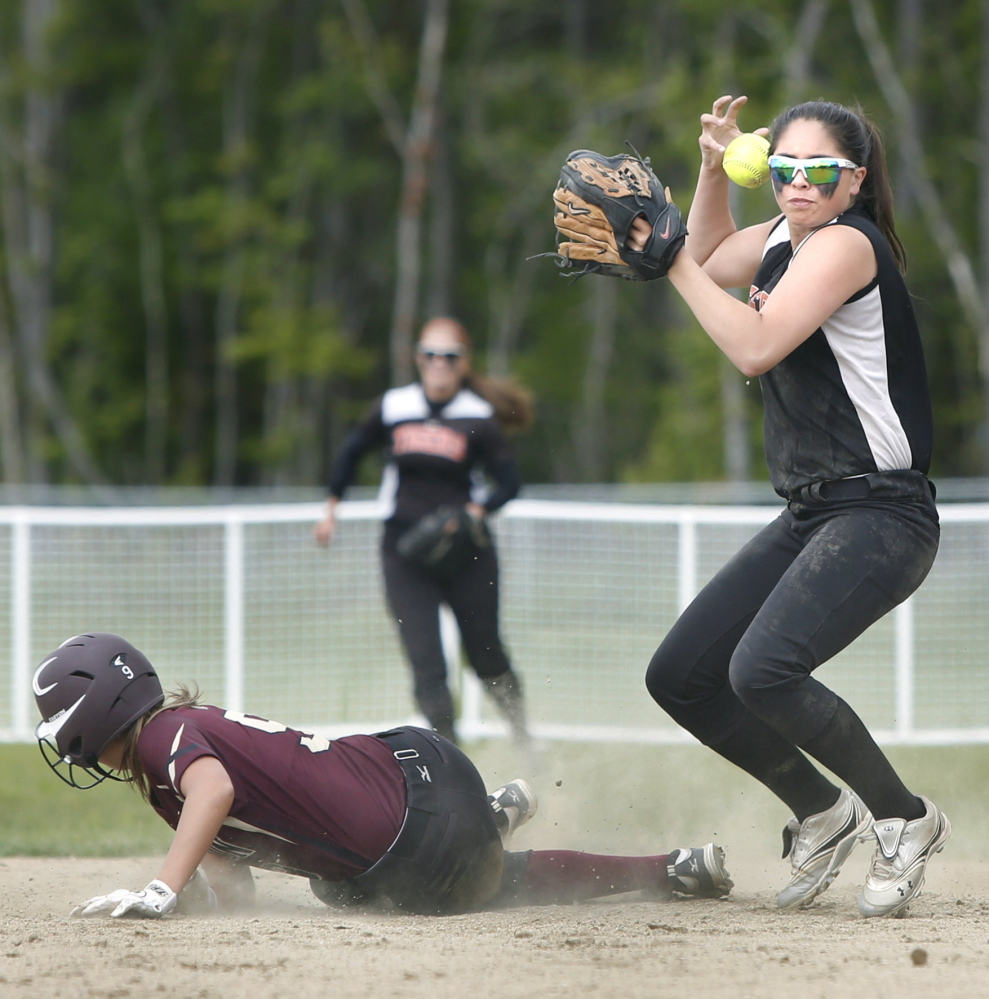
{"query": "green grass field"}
pixel 607 798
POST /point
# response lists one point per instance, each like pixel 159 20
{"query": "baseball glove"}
pixel 597 199
pixel 444 540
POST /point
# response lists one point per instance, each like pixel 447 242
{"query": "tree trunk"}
pixel 442 200
pixel 150 264
pixel 238 122
pixel 26 193
pixel 415 182
pixel 13 464
pixel 908 41
pixel 797 60
pixel 591 424
pixel 984 233
pixel 960 268
pixel 510 290
pixel 192 380
pixel 734 424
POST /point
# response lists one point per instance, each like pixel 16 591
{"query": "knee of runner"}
pixel 759 680
pixel 671 686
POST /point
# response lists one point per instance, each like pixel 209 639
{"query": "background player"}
pixel 400 816
pixel 441 434
pixel 832 336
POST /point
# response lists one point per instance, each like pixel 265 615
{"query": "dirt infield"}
pixel 632 800
pixel 294 946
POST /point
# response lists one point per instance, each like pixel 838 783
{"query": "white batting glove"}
pixel 150 903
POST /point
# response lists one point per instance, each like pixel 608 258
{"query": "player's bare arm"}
pixel 734 261
pixel 823 276
pixel 324 531
pixel 209 795
pixel 710 223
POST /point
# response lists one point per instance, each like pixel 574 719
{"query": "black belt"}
pixel 900 484
pixel 421 803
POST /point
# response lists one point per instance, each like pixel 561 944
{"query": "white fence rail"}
pixel 239 600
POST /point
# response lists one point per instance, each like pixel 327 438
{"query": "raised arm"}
pixel 729 256
pixel 836 262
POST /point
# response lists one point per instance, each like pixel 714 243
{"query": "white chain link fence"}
pixel 239 600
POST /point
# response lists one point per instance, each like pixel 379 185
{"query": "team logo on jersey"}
pixel 429 438
pixel 757 298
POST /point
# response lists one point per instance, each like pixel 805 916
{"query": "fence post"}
pixel 686 561
pixel 233 614
pixel 904 663
pixel 20 595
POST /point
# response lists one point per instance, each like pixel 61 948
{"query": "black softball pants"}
pixel 414 598
pixel 448 856
pixel 797 594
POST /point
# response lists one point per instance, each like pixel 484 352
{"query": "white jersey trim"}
pixel 857 338
pixel 176 742
pixel 233 823
pixel 409 403
pixel 856 335
pixel 388 491
pixel 781 234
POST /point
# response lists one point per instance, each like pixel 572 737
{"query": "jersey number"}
pixel 314 743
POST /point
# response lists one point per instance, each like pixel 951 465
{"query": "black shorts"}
pixel 448 855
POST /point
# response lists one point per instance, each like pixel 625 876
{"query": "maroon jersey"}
pixel 302 804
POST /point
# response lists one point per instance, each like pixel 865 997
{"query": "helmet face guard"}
pixel 72 773
pixel 88 691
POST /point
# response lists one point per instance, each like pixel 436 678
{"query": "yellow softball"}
pixel 746 160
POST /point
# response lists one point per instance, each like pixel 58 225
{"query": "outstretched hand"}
pixel 720 127
pixel 149 903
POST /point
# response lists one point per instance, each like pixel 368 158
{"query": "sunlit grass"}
pixel 603 798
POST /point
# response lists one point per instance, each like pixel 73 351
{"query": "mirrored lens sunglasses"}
pixel 819 170
pixel 450 356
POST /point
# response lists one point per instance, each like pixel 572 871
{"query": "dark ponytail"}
pixel 860 140
pixel 512 403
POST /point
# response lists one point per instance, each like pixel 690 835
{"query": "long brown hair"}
pixel 861 141
pixel 513 404
pixel 181 697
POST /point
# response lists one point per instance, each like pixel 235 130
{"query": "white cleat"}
pixel 818 846
pixel 513 804
pixel 699 872
pixel 900 861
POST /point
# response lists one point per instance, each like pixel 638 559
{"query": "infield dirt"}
pixel 293 946
pixel 624 947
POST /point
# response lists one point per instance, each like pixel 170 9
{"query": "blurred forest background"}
pixel 222 221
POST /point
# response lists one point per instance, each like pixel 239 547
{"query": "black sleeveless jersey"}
pixel 439 454
pixel 852 398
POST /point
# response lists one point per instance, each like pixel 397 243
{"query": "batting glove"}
pixel 150 903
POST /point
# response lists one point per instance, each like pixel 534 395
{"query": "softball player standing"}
pixel 830 333
pixel 443 438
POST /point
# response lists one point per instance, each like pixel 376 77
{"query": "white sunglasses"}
pixel 819 170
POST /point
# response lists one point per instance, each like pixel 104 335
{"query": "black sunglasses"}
pixel 450 356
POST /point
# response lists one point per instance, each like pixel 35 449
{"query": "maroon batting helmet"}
pixel 88 691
